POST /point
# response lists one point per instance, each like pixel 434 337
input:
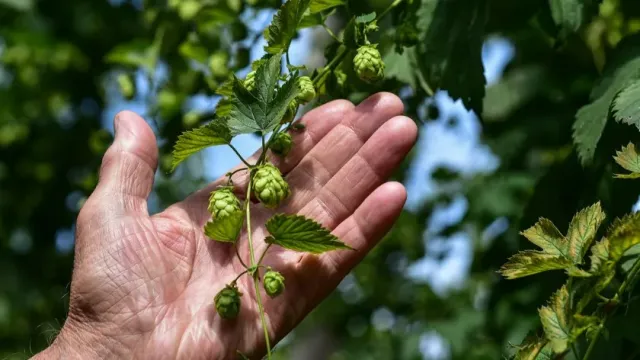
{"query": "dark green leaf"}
pixel 298 233
pixel 626 106
pixel 215 133
pixel 451 46
pixel 569 14
pixel 284 26
pixel 317 6
pixel 225 229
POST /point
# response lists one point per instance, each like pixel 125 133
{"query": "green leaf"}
pixel 284 26
pixel 621 71
pixel 311 20
pixel 225 229
pixel 137 53
pixel 582 323
pixel 569 14
pixel 398 66
pixel 629 159
pixel 263 111
pixel 366 18
pixel 534 348
pixel 599 255
pixel 317 6
pixel 298 233
pixel 582 231
pixel 194 51
pixel 548 237
pixel 626 105
pixel 452 35
pixel 224 108
pixel 215 133
pixel 531 262
pixel 623 234
pixel 555 320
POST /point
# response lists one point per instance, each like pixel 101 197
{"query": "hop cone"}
pixel 368 64
pixel 273 283
pixel 223 202
pixel 228 302
pixel 307 90
pixel 282 144
pixel 250 81
pixel 269 186
pixel 292 110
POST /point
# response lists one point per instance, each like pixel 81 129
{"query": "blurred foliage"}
pixel 64 64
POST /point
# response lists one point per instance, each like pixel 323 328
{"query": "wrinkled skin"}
pixel 143 286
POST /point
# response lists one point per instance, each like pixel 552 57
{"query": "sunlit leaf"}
pixel 629 159
pixel 626 106
pixel 548 237
pixel 317 6
pixel 298 233
pixel 190 142
pixel 534 348
pixel 531 262
pixel 623 234
pixel 582 231
pixel 555 320
pixel 599 254
pixel 284 26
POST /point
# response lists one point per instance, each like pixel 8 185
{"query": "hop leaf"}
pixel 218 64
pixel 223 202
pixel 558 251
pixel 555 320
pixel 284 26
pixel 629 159
pixel 227 302
pixel 269 186
pixel 307 90
pixel 282 144
pixel 225 228
pixel 298 233
pixel 215 133
pixel 273 283
pixel 368 63
pixel 534 348
pixel 623 234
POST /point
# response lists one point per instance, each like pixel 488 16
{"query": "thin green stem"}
pixel 240 275
pixel 633 273
pixel 240 156
pixel 330 66
pixel 256 278
pixel 248 212
pixel 263 254
pixel 230 174
pixel 240 257
pixel 389 8
pixel 331 33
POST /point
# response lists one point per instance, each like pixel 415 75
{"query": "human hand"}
pixel 143 286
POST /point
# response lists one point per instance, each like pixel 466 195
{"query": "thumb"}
pixel 128 167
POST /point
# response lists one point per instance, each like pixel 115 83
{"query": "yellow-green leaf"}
pixel 215 133
pixel 530 262
pixel 317 6
pixel 582 231
pixel 225 229
pixel 298 233
pixel 599 254
pixel 534 347
pixel 548 237
pixel 623 234
pixel 555 320
pixel 629 159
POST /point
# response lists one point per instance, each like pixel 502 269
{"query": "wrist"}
pixel 74 342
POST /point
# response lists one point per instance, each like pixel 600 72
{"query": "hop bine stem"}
pixel 256 274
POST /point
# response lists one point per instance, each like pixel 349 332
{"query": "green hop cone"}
pixel 368 64
pixel 282 144
pixel 127 86
pixel 292 110
pixel 273 283
pixel 269 186
pixel 223 202
pixel 307 90
pixel 228 302
pixel 250 81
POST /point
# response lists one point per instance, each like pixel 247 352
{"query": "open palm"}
pixel 143 286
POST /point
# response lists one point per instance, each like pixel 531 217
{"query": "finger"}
pixel 128 168
pixel 318 123
pixel 365 171
pixel 327 158
pixel 315 277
